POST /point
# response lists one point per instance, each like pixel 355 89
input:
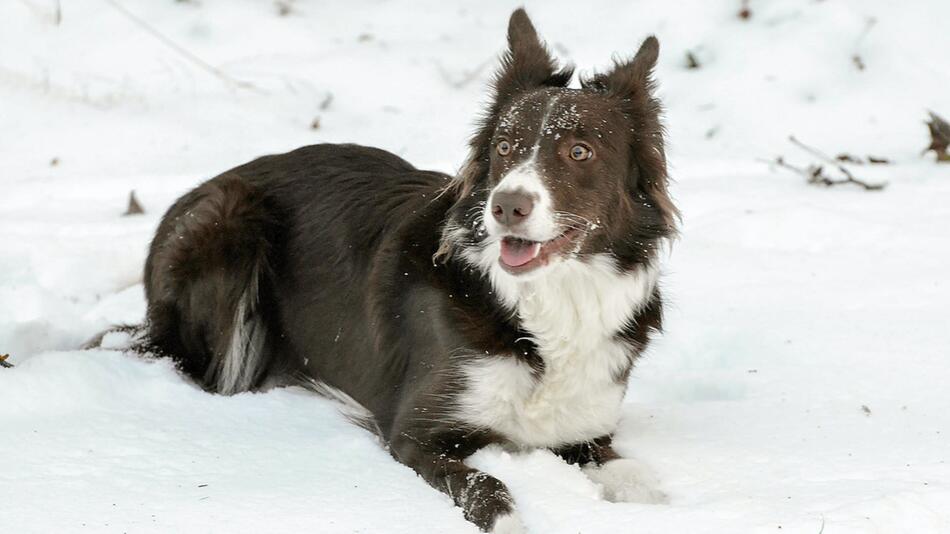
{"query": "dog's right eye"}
pixel 503 147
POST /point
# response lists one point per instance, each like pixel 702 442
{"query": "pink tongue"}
pixel 517 253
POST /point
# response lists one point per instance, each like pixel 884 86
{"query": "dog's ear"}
pixel 631 82
pixel 633 78
pixel 526 65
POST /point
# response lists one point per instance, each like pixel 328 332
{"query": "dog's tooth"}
pixel 535 250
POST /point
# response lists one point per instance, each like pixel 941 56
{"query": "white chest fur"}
pixel 573 313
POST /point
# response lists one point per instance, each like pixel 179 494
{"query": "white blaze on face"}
pixel 526 179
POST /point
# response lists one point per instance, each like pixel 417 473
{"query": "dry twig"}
pixel 818 176
pixel 692 62
pixel 135 208
pixel 939 137
pixel 815 175
pixel 856 57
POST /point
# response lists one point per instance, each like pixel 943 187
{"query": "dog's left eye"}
pixel 581 153
pixel 503 147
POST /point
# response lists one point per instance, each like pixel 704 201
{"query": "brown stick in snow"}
pixel 815 174
pixel 837 164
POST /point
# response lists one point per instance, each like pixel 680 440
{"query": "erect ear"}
pixel 632 83
pixel 526 65
pixel 634 77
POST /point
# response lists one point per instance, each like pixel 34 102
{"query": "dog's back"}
pixel 277 254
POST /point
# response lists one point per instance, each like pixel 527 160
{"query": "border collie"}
pixel 504 305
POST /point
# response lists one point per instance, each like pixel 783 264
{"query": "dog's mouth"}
pixel 519 256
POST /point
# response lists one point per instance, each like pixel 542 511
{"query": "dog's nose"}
pixel 511 207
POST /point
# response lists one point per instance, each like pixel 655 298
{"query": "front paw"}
pixel 627 480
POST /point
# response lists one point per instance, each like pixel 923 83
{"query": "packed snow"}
pixel 802 382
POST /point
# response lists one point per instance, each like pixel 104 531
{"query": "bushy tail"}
pixel 206 279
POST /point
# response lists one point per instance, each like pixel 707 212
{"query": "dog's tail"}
pixel 206 281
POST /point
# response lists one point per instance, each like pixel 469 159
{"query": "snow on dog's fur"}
pixel 505 305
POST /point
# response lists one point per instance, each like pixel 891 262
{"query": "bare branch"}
pixel 815 175
pixel 811 150
pixel 823 179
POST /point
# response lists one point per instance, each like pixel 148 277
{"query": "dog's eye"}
pixel 581 152
pixel 503 147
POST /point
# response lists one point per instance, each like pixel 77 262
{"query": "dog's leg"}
pixel 622 479
pixel 484 499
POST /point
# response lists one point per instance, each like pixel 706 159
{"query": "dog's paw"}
pixel 627 480
pixel 509 523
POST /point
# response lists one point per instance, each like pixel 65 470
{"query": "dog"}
pixel 504 305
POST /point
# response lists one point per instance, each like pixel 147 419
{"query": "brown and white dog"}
pixel 506 305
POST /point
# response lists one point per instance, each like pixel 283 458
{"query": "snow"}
pixel 801 385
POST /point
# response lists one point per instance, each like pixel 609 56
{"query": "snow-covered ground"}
pixel 802 384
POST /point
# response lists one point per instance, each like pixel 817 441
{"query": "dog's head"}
pixel 559 173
